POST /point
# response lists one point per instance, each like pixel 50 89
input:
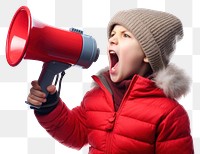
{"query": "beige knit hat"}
pixel 156 31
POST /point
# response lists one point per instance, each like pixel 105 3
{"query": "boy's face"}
pixel 126 57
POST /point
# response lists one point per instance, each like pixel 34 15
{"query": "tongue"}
pixel 114 68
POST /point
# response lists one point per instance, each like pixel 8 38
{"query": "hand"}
pixel 36 96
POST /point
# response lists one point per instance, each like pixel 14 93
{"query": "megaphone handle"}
pixel 49 70
pixel 46 79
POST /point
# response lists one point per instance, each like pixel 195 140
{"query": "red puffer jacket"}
pixel 147 122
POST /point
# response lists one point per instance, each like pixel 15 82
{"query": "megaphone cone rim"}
pixel 16 62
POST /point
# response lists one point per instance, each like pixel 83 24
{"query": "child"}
pixel 133 107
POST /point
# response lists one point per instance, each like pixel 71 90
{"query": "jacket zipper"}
pixel 126 95
pixel 118 112
pixel 110 134
pixel 108 147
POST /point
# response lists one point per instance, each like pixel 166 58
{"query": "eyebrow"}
pixel 123 31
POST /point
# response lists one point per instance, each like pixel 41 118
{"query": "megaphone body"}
pixel 59 49
pixel 30 39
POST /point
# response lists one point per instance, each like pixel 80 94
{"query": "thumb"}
pixel 51 89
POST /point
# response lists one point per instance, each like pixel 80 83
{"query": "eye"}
pixel 112 34
pixel 127 35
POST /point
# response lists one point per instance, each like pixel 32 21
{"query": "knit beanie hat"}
pixel 156 31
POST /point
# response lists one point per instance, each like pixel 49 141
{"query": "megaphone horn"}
pixel 59 49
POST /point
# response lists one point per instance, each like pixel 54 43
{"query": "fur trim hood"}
pixel 172 80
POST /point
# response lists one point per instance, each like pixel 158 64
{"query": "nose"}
pixel 113 40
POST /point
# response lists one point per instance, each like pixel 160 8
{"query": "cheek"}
pixel 132 55
pixel 132 62
pixel 127 54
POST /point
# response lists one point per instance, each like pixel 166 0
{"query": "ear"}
pixel 146 60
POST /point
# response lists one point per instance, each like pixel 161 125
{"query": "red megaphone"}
pixel 58 49
pixel 30 39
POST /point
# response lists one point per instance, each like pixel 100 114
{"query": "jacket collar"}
pixel 171 82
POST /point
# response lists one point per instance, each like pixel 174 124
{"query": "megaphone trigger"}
pixel 49 71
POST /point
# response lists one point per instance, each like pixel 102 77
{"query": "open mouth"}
pixel 113 59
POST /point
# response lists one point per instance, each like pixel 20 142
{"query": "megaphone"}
pixel 59 49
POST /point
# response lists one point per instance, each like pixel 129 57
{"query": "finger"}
pixel 36 85
pixel 37 93
pixel 51 89
pixel 39 99
pixel 34 102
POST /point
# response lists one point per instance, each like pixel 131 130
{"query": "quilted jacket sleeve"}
pixel 174 133
pixel 65 125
